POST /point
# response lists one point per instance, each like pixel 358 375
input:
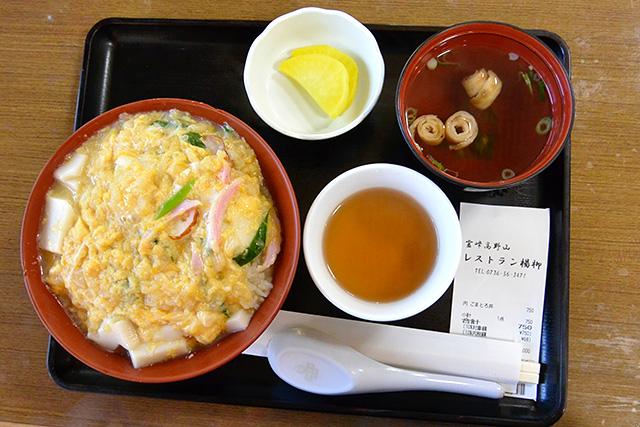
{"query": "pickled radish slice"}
pixel 346 60
pixel 326 79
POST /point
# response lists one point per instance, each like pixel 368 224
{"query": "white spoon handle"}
pixel 317 363
pixel 386 378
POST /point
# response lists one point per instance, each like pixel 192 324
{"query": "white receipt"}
pixel 499 287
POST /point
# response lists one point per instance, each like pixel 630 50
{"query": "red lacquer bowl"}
pixel 463 44
pixel 62 328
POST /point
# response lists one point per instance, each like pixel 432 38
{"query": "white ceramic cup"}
pixel 423 191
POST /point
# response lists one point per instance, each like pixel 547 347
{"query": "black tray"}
pixel 127 60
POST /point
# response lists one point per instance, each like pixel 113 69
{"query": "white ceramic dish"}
pixel 281 102
pixel 428 195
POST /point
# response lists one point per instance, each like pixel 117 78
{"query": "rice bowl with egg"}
pixel 159 235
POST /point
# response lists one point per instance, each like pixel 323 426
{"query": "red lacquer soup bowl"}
pixel 64 330
pixel 503 103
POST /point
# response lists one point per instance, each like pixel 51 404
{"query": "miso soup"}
pixel 512 132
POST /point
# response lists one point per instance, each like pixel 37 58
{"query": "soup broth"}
pixel 512 132
pixel 380 245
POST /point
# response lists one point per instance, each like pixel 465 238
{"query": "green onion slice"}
pixel 412 115
pixel 544 126
pixel 508 174
pixel 441 60
pixel 256 246
pixel 176 199
pixel 436 163
pixel 224 309
pixel 527 81
pixel 542 91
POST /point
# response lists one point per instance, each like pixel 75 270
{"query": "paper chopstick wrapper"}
pixel 409 348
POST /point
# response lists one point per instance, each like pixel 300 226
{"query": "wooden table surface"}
pixel 41 48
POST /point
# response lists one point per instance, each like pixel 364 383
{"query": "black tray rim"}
pixel 560 404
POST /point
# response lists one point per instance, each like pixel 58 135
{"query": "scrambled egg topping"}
pixel 120 261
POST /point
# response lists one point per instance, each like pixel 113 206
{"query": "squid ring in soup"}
pixel 482 87
pixel 429 129
pixel 461 130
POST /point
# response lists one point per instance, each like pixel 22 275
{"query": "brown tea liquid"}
pixel 380 245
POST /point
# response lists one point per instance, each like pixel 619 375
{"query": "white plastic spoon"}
pixel 317 363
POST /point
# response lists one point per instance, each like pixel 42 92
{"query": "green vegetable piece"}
pixel 484 146
pixel 527 81
pixel 256 246
pixel 161 123
pixel 224 309
pixel 412 115
pixel 176 199
pixel 444 61
pixel 544 125
pixel 193 138
pixel 229 130
pixel 542 91
pixel 436 163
